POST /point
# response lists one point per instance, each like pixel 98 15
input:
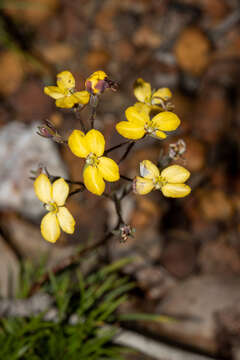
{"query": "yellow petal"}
pixel 95 142
pixel 66 102
pixel 166 121
pixel 43 188
pixel 140 107
pixel 136 117
pixel 162 93
pixel 176 190
pixel 66 220
pixel 78 144
pixel 142 186
pixel 60 191
pixel 50 227
pixel 175 174
pixel 130 130
pixel 97 75
pixel 148 170
pixel 54 92
pixel 93 180
pixel 142 90
pixel 65 80
pixel 82 97
pixel 108 169
pixel 159 134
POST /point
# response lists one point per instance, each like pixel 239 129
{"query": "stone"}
pixel 9 270
pixel 22 150
pixel 195 302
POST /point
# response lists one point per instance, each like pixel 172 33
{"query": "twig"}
pixel 94 103
pixel 76 191
pixel 79 118
pixel 116 147
pixel 126 178
pixel 129 148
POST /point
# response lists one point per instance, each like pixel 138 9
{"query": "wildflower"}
pixel 140 124
pixel 97 167
pixel 64 93
pixel 170 181
pixel 54 196
pixel 144 94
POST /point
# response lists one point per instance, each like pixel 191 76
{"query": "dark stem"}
pixel 116 147
pixel 126 178
pixel 129 148
pixel 79 118
pixel 94 104
pixel 118 208
pixel 76 191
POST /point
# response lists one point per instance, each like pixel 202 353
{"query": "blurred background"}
pixel 187 251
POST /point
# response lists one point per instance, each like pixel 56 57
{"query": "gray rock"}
pixel 196 302
pixel 22 150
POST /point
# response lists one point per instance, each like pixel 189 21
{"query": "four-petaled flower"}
pixel 139 123
pixel 97 167
pixel 64 93
pixel 54 197
pixel 97 82
pixel 170 180
pixel 143 92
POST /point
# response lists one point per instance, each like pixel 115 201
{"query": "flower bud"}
pixel 98 82
pixel 48 130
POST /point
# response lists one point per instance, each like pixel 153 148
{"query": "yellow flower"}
pixel 54 197
pixel 64 93
pixel 170 181
pixel 140 124
pixel 97 167
pixel 143 92
pixel 97 82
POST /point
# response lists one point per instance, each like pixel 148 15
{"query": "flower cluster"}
pixel 150 115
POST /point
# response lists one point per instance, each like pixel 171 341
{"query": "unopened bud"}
pixel 48 130
pixel 98 82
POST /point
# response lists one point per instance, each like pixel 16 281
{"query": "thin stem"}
pixel 79 118
pixel 126 178
pixel 129 148
pixel 118 208
pixel 116 147
pixel 94 103
pixel 76 191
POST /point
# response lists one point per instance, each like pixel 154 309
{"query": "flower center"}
pixel 151 127
pixel 159 182
pixel 92 159
pixel 52 207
